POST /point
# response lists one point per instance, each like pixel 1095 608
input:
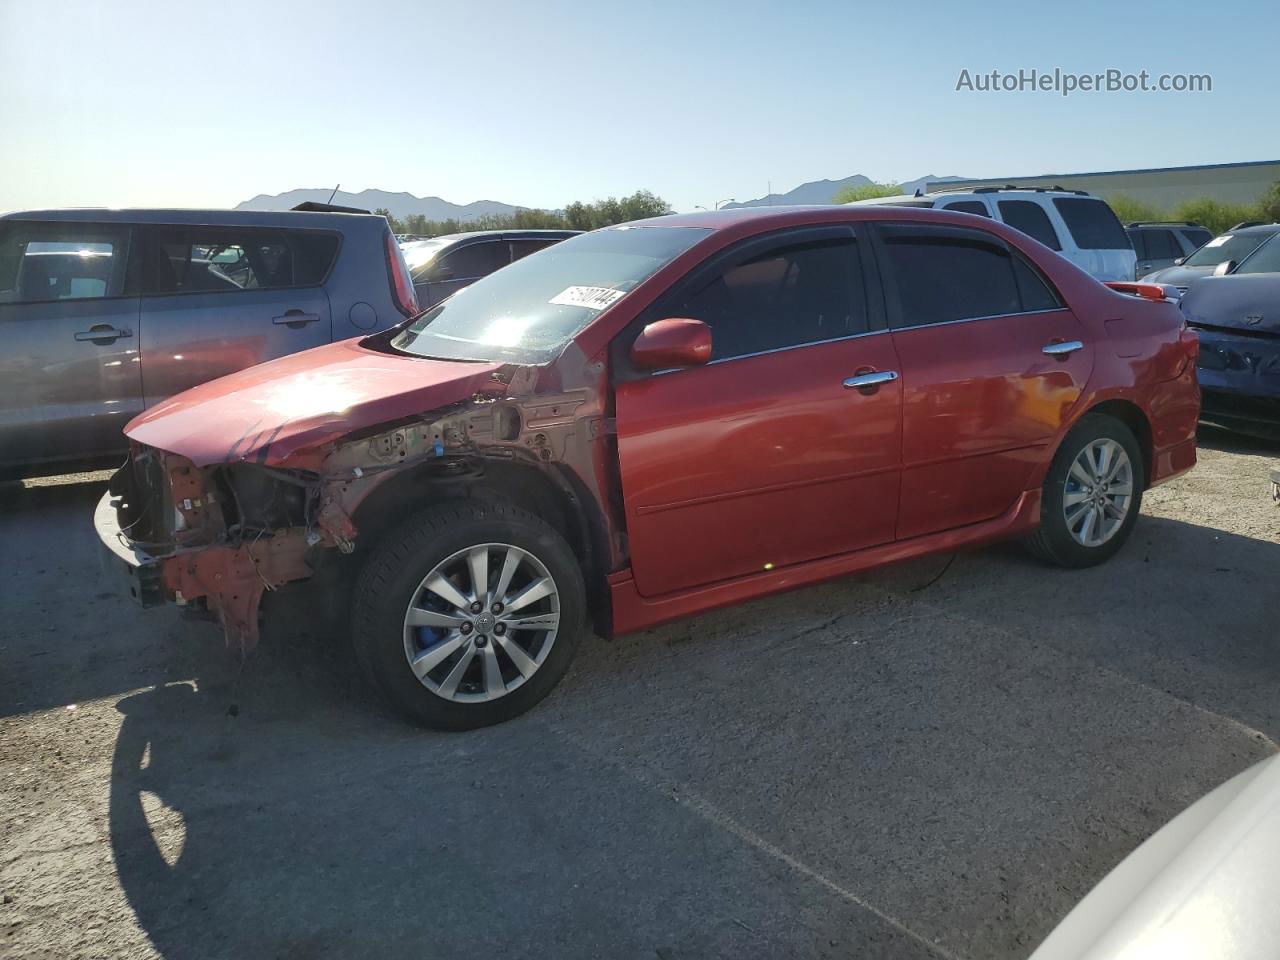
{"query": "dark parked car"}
pixel 1160 244
pixel 1230 248
pixel 444 265
pixel 1238 319
pixel 649 421
pixel 107 312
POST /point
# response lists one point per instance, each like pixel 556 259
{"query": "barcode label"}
pixel 593 298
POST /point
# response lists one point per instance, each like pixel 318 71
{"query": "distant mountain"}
pixel 400 204
pixel 823 191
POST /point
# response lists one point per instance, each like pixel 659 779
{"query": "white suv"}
pixel 1080 227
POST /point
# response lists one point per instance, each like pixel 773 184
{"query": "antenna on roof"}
pixel 334 194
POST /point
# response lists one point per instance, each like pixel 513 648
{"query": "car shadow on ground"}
pixel 275 808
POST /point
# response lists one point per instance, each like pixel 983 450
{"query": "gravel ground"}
pixel 881 766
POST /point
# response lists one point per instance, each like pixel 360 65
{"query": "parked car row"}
pixel 651 420
pixel 1081 228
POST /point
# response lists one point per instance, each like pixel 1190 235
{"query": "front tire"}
pixel 1091 495
pixel 470 615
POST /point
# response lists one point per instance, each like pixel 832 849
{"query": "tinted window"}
pixel 528 312
pixel 1266 259
pixel 790 295
pixel 1162 245
pixel 969 206
pixel 1138 239
pixel 1197 237
pixel 522 248
pixel 217 260
pixel 43 261
pixel 472 260
pixel 1033 288
pixel 1229 246
pixel 949 273
pixel 1092 223
pixel 1031 219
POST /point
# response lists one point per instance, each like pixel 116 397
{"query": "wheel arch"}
pixel 1133 417
pixel 549 492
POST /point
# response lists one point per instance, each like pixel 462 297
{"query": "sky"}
pixel 142 103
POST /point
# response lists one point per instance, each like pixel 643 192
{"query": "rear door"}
pixel 764 457
pixel 992 364
pixel 463 266
pixel 219 299
pixel 1160 249
pixel 69 376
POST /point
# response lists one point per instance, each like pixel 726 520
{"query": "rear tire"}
pixel 449 654
pixel 1091 495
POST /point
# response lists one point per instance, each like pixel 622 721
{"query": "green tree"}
pixel 1214 215
pixel 396 225
pixel 1269 206
pixel 1129 209
pixel 868 191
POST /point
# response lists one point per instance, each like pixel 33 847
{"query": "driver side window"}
pixel 787 296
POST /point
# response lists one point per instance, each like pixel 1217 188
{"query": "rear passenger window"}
pixel 1197 238
pixel 522 248
pixel 788 296
pixel 472 261
pixel 218 260
pixel 42 262
pixel 969 206
pixel 1092 223
pixel 942 274
pixel 1162 245
pixel 1031 219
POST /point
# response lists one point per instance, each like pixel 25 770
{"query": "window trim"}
pixel 152 239
pixel 128 280
pixel 893 305
pixel 877 321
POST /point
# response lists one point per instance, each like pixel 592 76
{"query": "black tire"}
pixel 1053 542
pixel 390 581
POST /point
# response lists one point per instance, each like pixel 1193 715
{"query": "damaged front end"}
pixel 215 538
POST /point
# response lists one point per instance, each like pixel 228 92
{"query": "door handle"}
pixel 864 380
pixel 102 333
pixel 296 318
pixel 1062 348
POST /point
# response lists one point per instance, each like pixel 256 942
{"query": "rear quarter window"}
pixel 1030 218
pixel 1092 223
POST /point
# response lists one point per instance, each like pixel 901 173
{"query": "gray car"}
pixel 1161 244
pixel 1231 248
pixel 106 312
pixel 443 265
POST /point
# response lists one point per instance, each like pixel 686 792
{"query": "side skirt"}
pixel 633 612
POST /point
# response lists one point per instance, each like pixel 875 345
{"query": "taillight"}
pixel 401 282
pixel 1147 291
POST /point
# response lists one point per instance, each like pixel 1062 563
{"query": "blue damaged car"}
pixel 1238 319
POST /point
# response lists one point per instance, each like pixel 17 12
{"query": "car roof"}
pixel 208 218
pixel 763 218
pixel 1260 228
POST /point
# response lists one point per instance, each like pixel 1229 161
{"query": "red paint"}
pixel 672 343
pixel 273 411
pixel 732 480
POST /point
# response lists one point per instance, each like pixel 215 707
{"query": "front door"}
pixel 764 457
pixel 69 372
pixel 219 299
pixel 992 364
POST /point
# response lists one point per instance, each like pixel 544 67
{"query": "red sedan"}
pixel 648 421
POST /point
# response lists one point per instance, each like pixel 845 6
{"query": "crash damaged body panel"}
pixel 223 510
pixel 1238 319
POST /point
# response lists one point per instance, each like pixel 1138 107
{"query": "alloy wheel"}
pixel 481 623
pixel 1099 492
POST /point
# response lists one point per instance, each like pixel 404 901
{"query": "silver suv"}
pixel 106 312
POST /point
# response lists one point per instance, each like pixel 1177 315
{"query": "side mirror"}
pixel 1178 262
pixel 1225 267
pixel 672 344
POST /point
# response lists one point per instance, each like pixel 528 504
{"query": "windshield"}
pixel 528 311
pixel 1229 246
pixel 1265 259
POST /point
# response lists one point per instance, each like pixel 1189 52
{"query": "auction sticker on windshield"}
pixel 593 298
